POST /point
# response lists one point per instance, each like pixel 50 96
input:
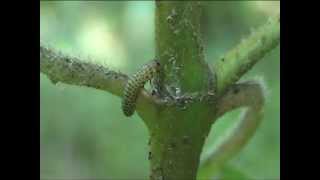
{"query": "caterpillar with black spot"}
pixel 135 83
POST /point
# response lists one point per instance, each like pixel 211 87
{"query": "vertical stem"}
pixel 185 80
pixel 180 50
pixel 174 149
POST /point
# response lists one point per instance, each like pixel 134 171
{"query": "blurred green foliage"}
pixel 83 131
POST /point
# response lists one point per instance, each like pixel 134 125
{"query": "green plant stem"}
pixel 74 71
pixel 71 70
pixel 239 60
pixel 180 122
pixel 179 49
pixel 249 95
pixel 178 132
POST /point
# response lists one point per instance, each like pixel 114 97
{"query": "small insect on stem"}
pixel 135 84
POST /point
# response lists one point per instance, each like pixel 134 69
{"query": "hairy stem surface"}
pixel 187 85
pixel 71 70
pixel 244 56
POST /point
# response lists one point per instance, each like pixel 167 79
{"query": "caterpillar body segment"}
pixel 135 84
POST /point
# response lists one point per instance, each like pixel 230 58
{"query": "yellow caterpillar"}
pixel 135 84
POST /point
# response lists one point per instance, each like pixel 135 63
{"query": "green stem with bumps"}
pixel 188 99
pixel 243 57
pixel 59 67
pixel 187 85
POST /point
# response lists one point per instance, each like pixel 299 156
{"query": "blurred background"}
pixel 84 134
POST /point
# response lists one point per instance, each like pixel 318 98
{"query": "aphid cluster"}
pixel 135 84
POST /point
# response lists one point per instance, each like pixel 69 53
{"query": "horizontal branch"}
pixel 74 71
pixel 241 59
pixel 249 95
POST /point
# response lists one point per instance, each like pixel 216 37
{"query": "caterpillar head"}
pixel 157 65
